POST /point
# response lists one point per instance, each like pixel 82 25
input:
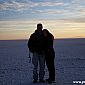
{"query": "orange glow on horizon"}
pixel 10 30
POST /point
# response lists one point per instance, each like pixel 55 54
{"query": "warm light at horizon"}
pixel 10 30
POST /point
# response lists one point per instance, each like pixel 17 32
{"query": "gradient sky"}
pixel 64 18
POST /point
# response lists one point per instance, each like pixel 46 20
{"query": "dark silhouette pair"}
pixel 40 44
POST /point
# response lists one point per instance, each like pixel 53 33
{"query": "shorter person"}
pixel 49 55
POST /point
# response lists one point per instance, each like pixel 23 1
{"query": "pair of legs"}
pixel 38 60
pixel 50 65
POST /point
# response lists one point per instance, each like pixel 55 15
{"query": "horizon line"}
pixel 28 38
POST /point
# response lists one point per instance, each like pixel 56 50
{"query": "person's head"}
pixel 39 27
pixel 45 32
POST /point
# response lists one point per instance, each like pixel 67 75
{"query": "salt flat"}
pixel 15 68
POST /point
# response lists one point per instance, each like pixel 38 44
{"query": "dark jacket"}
pixel 35 43
pixel 49 50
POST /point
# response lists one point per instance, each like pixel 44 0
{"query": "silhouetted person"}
pixel 35 44
pixel 49 55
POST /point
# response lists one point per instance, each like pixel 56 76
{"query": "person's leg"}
pixel 41 67
pixel 35 63
pixel 51 67
pixel 52 70
pixel 48 66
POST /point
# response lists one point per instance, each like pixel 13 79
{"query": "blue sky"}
pixel 42 9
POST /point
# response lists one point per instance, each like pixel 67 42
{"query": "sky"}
pixel 63 18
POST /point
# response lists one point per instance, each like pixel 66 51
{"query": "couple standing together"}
pixel 41 45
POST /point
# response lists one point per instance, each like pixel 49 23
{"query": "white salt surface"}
pixel 15 68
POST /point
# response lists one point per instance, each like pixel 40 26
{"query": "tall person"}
pixel 35 45
pixel 49 55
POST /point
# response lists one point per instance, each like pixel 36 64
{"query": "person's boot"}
pixel 49 81
pixel 42 81
pixel 35 81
